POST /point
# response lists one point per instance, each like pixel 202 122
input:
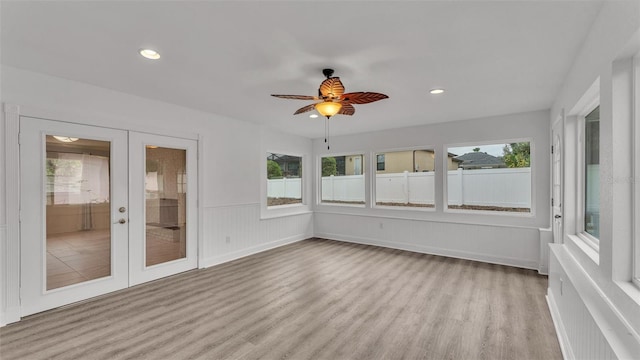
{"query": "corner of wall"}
pixel 546 238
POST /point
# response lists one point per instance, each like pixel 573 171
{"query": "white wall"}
pixel 230 182
pixel 595 306
pixel 498 238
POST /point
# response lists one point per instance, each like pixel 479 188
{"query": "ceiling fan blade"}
pixel 305 109
pixel 331 88
pixel 347 109
pixel 362 97
pixel 297 97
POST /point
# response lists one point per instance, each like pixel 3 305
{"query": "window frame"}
pixel 532 147
pixel 374 180
pixel 302 184
pixel 635 113
pixel 268 212
pixel 589 240
pixel 378 162
pixel 364 165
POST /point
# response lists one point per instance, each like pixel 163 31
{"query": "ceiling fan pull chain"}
pixel 328 139
pixel 325 131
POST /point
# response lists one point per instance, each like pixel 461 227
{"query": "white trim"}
pixel 10 261
pixel 275 216
pixel 100 121
pixel 561 332
pixel 635 91
pixel 200 157
pixel 583 240
pixel 588 250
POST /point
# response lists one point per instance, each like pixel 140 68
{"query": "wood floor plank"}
pixel 315 299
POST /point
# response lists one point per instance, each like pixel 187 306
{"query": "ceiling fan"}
pixel 333 100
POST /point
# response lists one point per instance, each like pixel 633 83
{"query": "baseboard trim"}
pixel 9 316
pixel 563 339
pixel 533 265
pixel 216 260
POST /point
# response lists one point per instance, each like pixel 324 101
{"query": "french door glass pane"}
pixel 78 216
pixel 166 214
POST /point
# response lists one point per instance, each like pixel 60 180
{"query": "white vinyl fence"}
pixel 343 188
pixel 404 188
pixel 507 187
pixel 484 187
pixel 284 188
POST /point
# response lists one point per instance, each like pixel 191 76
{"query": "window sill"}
pixel 487 212
pixel 406 208
pixel 322 204
pixel 581 243
pixel 301 211
pixel 630 289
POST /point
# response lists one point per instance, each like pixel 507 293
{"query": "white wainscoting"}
pixel 514 246
pixel 235 231
pixel 580 310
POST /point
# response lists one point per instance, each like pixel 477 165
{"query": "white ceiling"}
pixel 227 57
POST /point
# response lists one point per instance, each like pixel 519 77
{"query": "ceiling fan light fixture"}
pixel 65 139
pixel 328 108
pixel 149 54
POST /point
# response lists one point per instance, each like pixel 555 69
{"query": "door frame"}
pixel 557 206
pixel 10 306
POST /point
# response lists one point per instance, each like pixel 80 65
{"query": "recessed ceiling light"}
pixel 436 91
pixel 313 116
pixel 150 54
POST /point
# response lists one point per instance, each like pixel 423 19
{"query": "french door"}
pixel 102 209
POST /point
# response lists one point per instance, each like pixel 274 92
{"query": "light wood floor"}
pixel 315 299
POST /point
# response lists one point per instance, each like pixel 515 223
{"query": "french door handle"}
pixel 121 221
pixel 558 216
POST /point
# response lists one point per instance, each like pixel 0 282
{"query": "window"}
pixel 490 177
pixel 342 180
pixel 74 176
pixel 380 162
pixel 592 173
pixel 407 178
pixel 284 179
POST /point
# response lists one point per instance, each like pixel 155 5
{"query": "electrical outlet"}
pixel 228 239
